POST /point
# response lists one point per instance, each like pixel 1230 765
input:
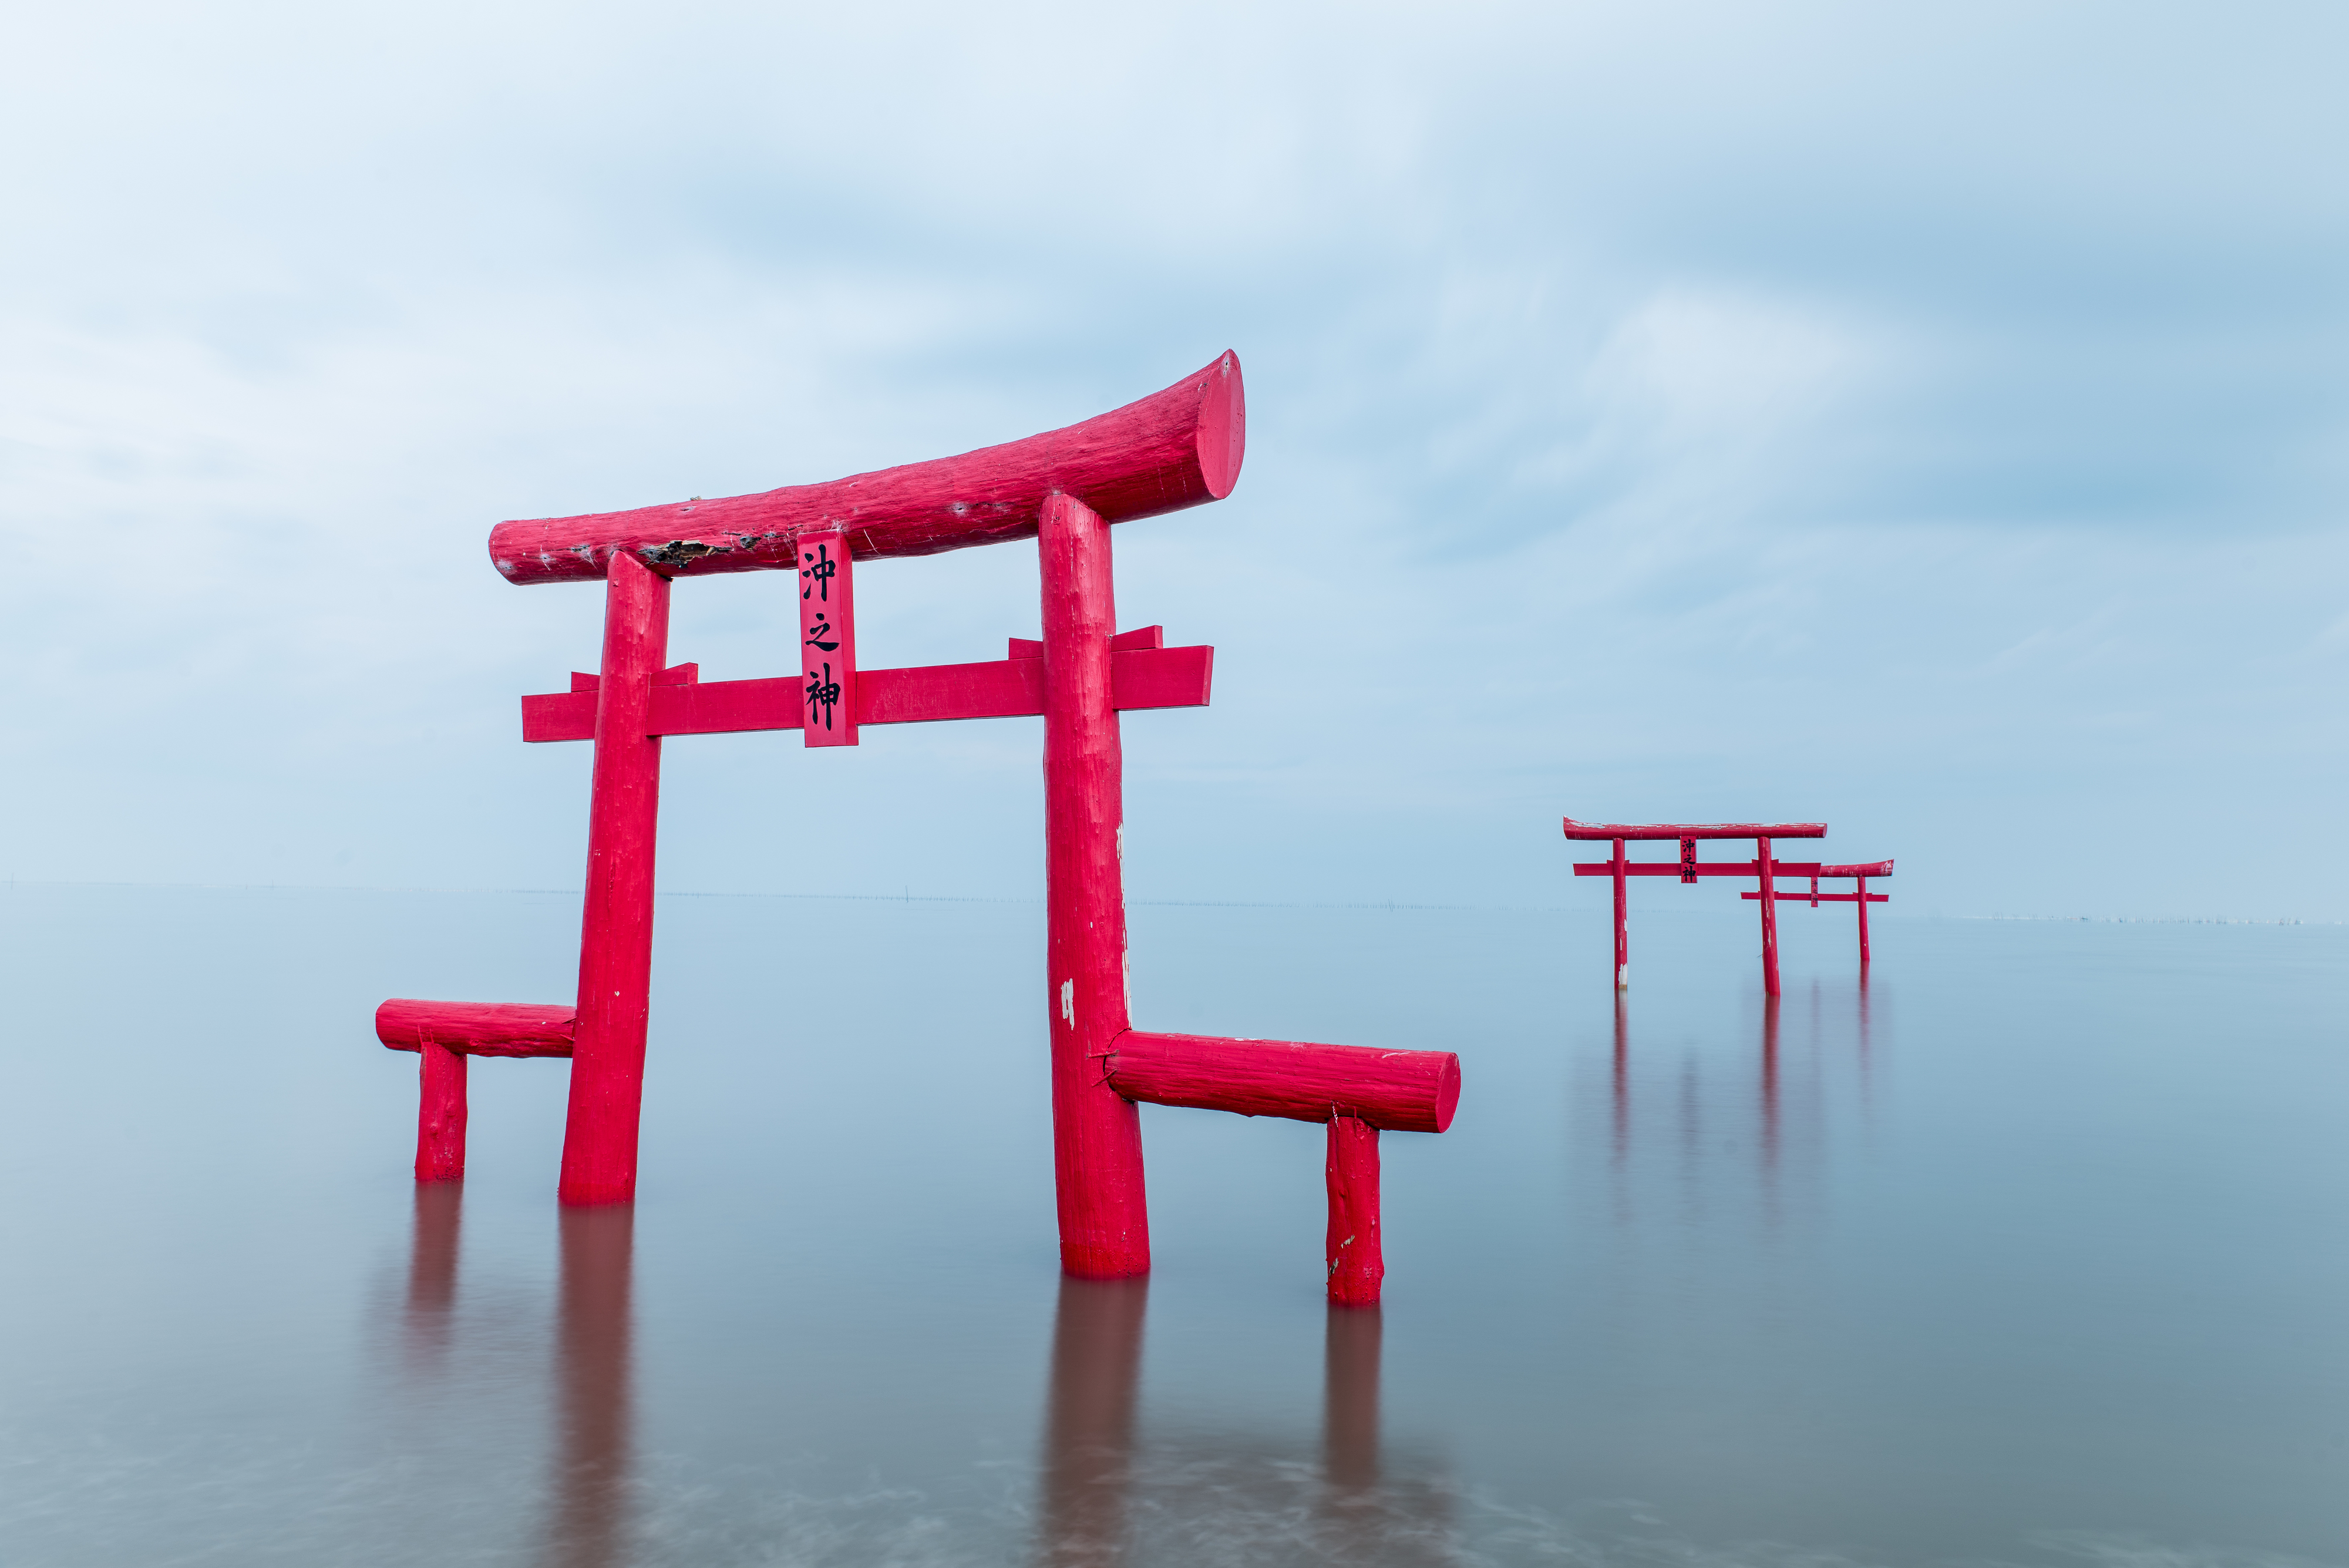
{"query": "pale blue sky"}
pixel 1934 419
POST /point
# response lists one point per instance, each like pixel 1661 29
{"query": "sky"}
pixel 1933 421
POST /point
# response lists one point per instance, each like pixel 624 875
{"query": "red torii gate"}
pixel 1859 895
pixel 1688 868
pixel 1172 449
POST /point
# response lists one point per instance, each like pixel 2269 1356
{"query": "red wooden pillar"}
pixel 441 1114
pixel 1765 865
pixel 1862 922
pixel 1622 924
pixel 615 944
pixel 1096 1131
pixel 1357 1263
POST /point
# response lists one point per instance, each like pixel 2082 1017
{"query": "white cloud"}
pixel 1919 421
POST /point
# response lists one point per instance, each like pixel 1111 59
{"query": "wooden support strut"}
pixel 1402 1091
pixel 1357 1261
pixel 1355 1090
pixel 443 1034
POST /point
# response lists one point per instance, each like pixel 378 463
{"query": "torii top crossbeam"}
pixel 1167 452
pixel 1653 830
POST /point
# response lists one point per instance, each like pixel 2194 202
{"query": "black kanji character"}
pixel 819 574
pixel 822 692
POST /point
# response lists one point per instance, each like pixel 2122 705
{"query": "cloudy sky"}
pixel 1931 420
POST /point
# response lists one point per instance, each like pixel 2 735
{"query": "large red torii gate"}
pixel 1065 488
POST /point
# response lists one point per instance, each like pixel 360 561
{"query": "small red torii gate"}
pixel 1859 895
pixel 1172 450
pixel 1765 868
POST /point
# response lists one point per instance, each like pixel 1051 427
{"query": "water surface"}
pixel 2033 1250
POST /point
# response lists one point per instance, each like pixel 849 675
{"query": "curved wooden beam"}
pixel 1173 449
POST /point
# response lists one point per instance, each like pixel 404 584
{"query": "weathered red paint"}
pixel 1180 447
pixel 477 1028
pixel 1167 452
pixel 1402 1091
pixel 615 944
pixel 827 640
pixel 1357 1259
pixel 441 1114
pixel 1769 918
pixel 1096 1131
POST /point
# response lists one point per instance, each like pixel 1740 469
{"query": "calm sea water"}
pixel 2033 1250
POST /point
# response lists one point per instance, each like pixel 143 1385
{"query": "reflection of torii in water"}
pixel 1768 1099
pixel 586 1521
pixel 1089 1473
pixel 1363 1514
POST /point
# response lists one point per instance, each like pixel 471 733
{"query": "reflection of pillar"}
pixel 1622 1084
pixel 432 1267
pixel 1089 1421
pixel 1770 1083
pixel 1867 1052
pixel 615 940
pixel 1349 1403
pixel 1096 1131
pixel 586 1524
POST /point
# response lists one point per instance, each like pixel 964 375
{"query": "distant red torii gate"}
pixel 1172 449
pixel 1765 868
pixel 1859 895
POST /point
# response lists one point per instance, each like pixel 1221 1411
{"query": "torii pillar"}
pixel 1096 1131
